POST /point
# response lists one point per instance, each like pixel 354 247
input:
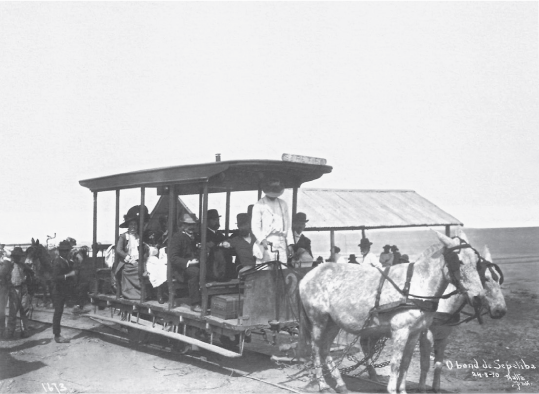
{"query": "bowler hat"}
pixel 300 217
pixel 188 219
pixel 364 243
pixel 273 188
pixel 17 251
pixel 65 245
pixel 134 214
pixel 387 247
pixel 405 258
pixel 213 214
pixel 394 248
pixel 242 218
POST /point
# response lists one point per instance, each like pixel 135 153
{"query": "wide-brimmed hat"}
pixel 65 245
pixel 300 217
pixel 364 243
pixel 134 214
pixel 405 257
pixel 17 251
pixel 242 218
pixel 273 188
pixel 387 247
pixel 187 218
pixel 394 248
pixel 213 214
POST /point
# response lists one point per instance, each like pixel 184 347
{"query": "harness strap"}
pixel 409 275
pixel 380 285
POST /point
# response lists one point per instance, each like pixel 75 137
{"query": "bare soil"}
pixel 102 358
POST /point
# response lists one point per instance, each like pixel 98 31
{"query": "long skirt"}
pixel 130 282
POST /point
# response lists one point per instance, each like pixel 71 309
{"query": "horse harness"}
pixel 428 303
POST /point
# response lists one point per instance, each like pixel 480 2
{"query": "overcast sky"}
pixel 440 98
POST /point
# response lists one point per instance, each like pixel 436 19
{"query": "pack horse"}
pixel 399 303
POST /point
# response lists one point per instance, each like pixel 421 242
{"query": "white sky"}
pixel 440 98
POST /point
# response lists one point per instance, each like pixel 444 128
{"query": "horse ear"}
pixel 37 241
pixel 463 236
pixel 33 242
pixel 448 242
pixel 486 254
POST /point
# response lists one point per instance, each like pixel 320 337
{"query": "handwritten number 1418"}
pixel 51 387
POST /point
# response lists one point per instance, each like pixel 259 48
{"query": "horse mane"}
pixel 429 252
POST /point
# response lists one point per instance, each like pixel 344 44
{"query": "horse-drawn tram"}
pixel 273 298
pixel 263 300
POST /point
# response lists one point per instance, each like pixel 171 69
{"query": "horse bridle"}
pixel 452 258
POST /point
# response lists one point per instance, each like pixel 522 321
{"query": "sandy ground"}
pixel 102 359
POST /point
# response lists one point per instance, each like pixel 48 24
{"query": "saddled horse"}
pixel 40 259
pixel 343 296
pixel 447 317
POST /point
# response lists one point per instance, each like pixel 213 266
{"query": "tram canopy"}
pixel 221 176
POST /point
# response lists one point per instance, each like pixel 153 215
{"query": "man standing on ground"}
pixel 6 267
pixel 61 272
pixel 368 257
pixel 19 299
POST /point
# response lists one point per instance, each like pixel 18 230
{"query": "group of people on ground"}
pixel 16 288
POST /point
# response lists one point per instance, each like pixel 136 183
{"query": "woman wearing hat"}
pixel 386 257
pixel 127 252
pixel 270 224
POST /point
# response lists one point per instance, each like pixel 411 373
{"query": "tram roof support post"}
pixel 448 230
pixel 203 232
pixel 294 201
pixel 94 234
pixel 141 245
pixel 227 214
pixel 332 245
pixel 172 202
pixel 116 236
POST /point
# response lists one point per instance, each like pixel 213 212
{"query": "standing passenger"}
pixel 6 267
pixel 270 223
pixel 61 272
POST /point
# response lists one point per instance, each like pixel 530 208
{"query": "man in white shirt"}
pixel 369 258
pixel 270 223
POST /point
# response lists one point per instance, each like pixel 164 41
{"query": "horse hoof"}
pixel 328 390
pixel 311 387
pixel 341 389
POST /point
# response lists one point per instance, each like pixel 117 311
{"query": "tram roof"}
pixel 349 209
pixel 239 175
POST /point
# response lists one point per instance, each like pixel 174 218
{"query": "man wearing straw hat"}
pixel 270 224
pixel 184 259
pixel 368 257
pixel 19 299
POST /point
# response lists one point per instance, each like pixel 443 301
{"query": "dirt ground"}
pixel 101 359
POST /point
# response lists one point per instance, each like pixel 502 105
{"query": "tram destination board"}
pixel 303 159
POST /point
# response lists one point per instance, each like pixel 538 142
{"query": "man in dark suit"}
pixel 61 272
pixel 300 241
pixel 184 259
pixel 242 244
pixel 213 237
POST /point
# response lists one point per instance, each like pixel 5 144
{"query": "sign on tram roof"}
pixel 303 159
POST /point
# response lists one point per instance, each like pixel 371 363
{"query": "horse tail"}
pixel 305 327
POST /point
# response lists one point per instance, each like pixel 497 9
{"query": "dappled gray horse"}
pixel 447 317
pixel 342 296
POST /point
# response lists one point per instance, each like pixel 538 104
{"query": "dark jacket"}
pixel 303 242
pixel 60 268
pixel 243 250
pixel 182 249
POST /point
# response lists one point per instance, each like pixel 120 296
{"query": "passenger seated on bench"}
pixel 241 245
pixel 127 249
pixel 184 259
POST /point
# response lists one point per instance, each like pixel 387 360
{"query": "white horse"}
pixel 447 316
pixel 341 296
